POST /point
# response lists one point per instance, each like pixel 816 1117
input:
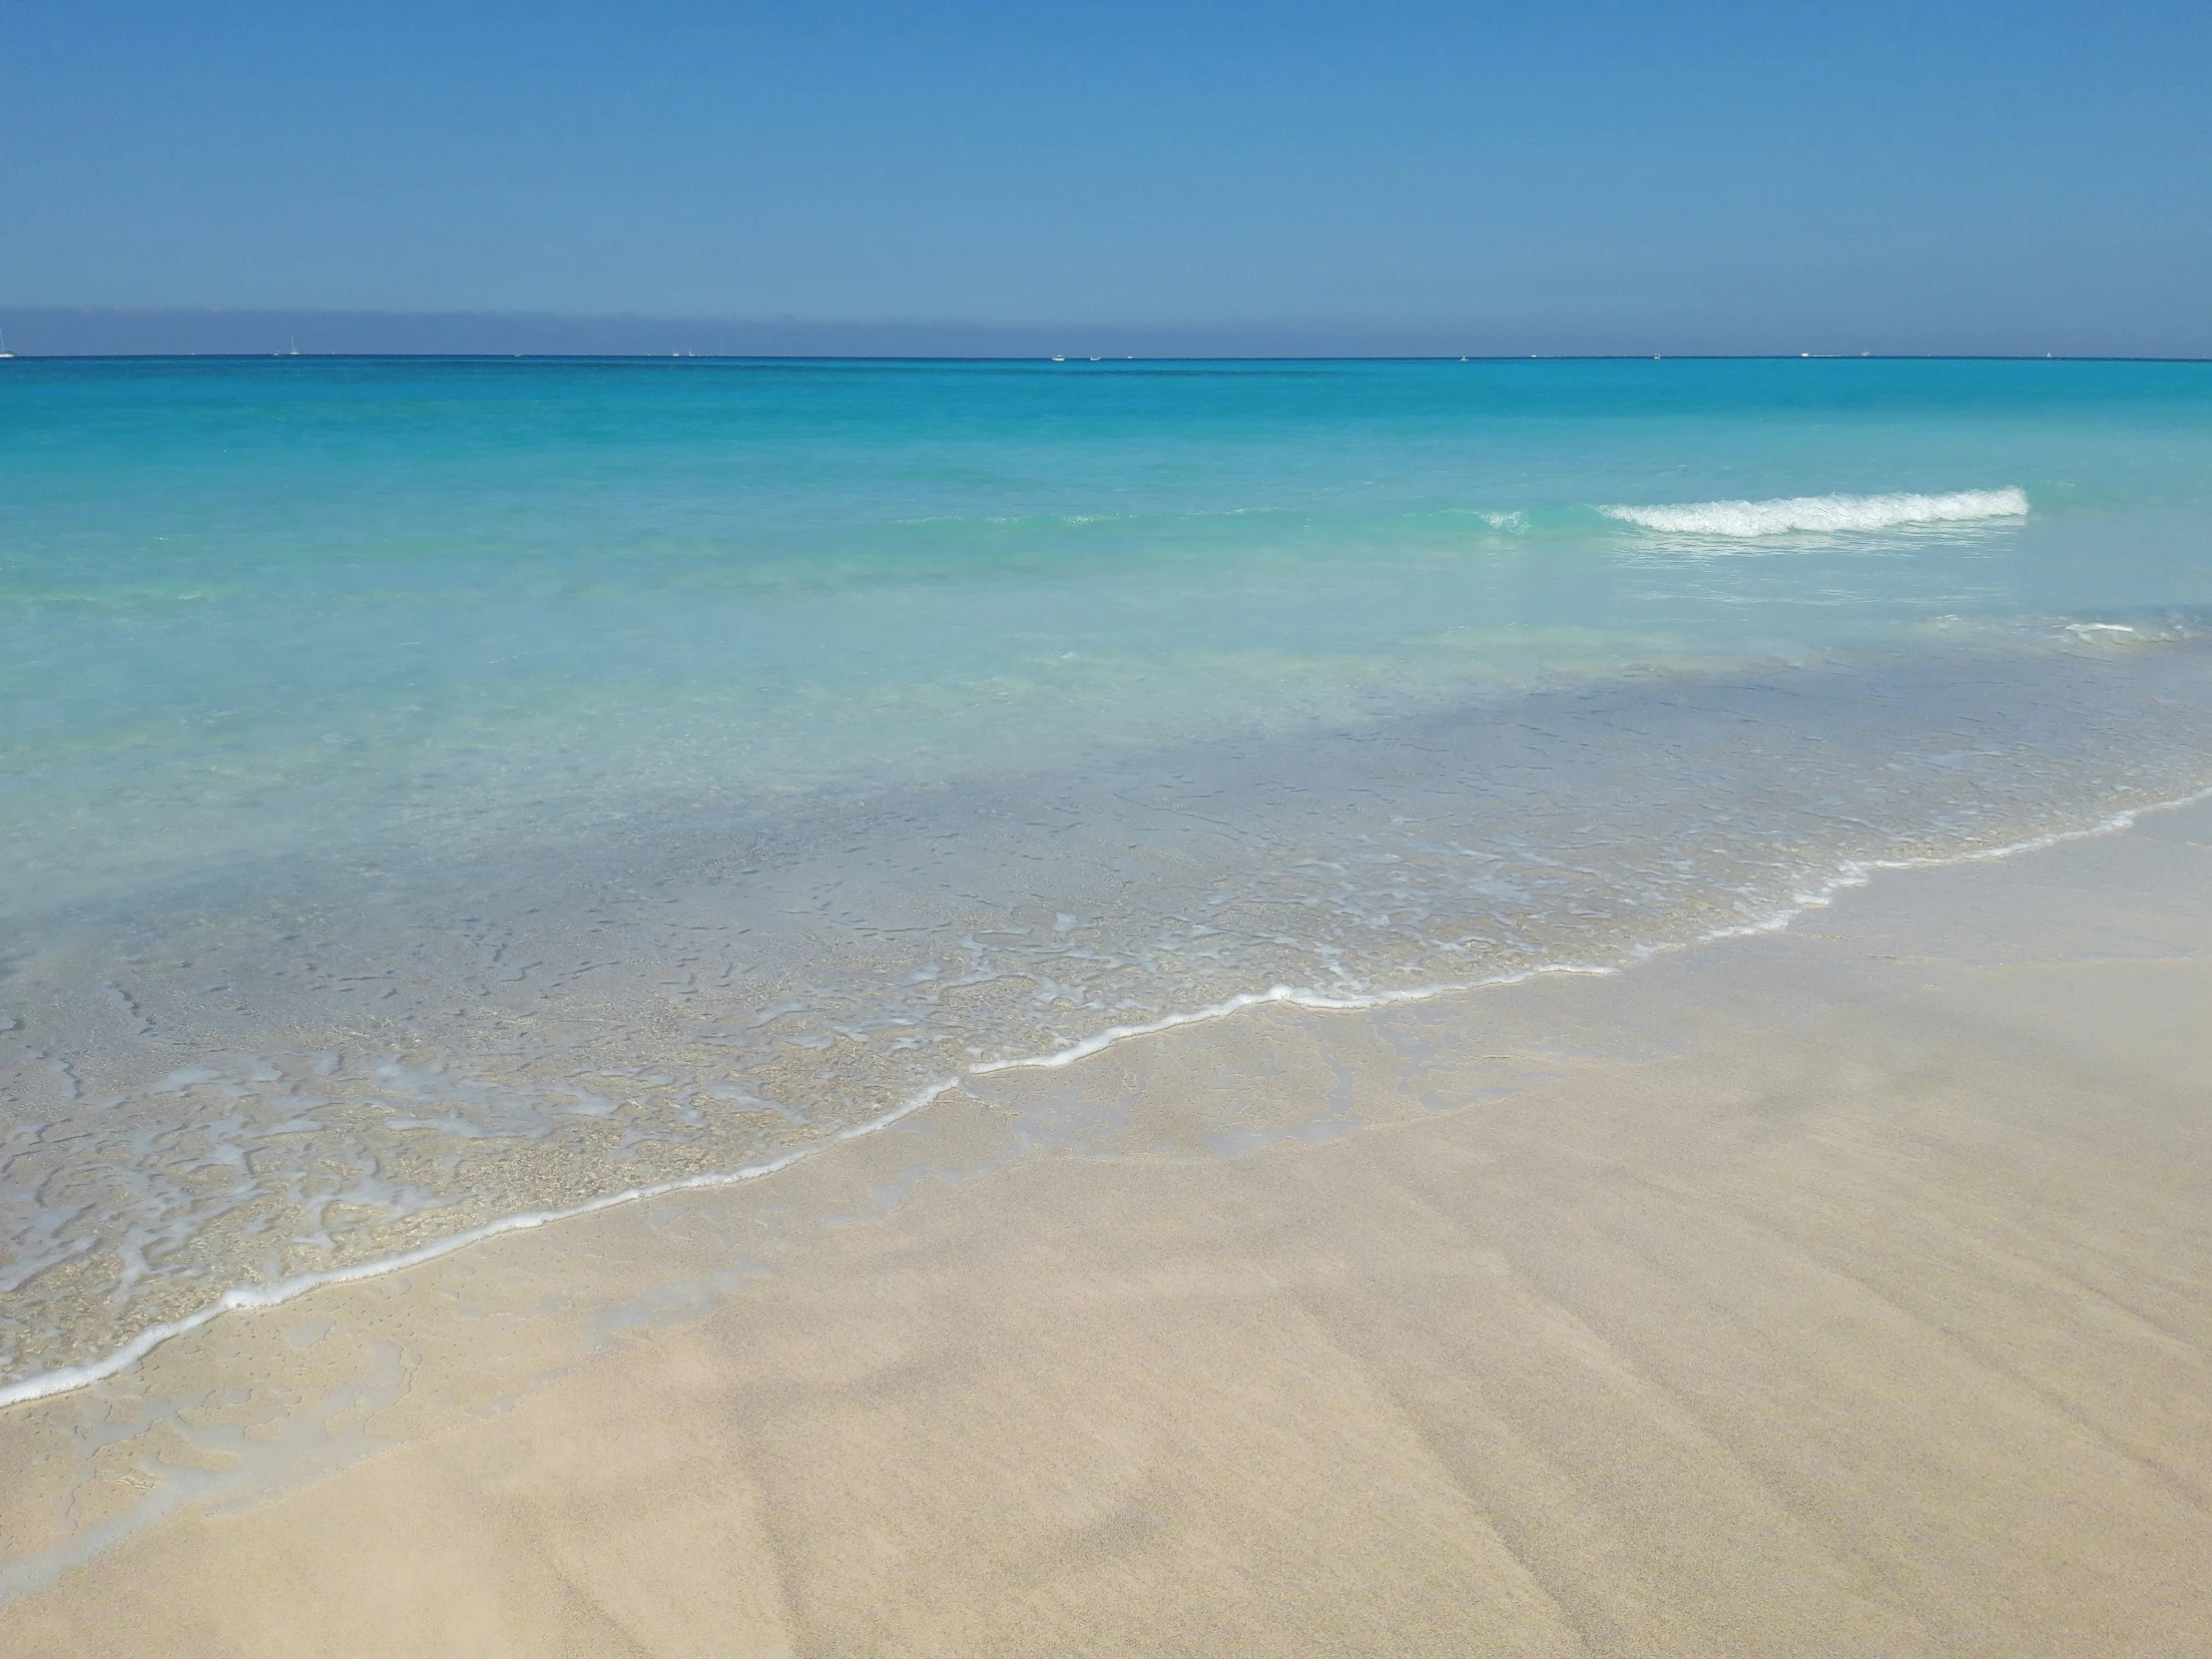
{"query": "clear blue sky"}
pixel 1880 176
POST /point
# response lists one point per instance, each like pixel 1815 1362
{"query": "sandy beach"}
pixel 905 831
pixel 1842 1290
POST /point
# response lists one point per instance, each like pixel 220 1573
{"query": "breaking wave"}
pixel 1822 513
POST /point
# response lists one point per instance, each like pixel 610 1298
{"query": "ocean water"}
pixel 443 793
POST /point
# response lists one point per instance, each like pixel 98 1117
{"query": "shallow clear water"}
pixel 443 791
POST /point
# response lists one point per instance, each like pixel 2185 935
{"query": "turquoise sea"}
pixel 443 791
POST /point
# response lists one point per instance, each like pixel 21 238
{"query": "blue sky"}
pixel 1567 177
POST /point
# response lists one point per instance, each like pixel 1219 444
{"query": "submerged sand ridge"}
pixel 1847 1290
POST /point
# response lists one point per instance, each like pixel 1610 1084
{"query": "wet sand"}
pixel 1847 1290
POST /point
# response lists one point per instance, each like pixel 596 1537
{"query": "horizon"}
pixel 87 335
pixel 830 357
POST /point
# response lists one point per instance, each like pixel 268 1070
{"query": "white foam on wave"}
pixel 1852 873
pixel 1824 512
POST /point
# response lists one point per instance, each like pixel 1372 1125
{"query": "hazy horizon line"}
pixel 219 332
pixel 1217 357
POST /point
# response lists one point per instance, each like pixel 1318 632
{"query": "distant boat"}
pixel 295 352
pixel 4 351
pixel 1059 359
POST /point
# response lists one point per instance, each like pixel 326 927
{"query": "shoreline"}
pixel 248 1297
pixel 1179 1167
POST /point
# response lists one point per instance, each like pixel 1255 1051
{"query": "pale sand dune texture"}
pixel 1842 1292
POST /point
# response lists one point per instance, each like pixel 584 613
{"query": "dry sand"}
pixel 1840 1291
